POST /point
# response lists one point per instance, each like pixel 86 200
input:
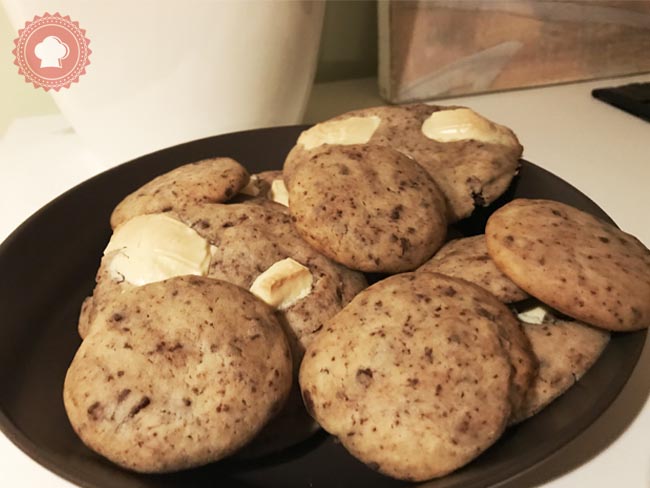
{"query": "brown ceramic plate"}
pixel 47 267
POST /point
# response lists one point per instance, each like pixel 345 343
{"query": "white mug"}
pixel 169 71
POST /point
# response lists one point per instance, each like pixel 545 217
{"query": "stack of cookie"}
pixel 423 371
pixel 222 298
pixel 199 318
pixel 375 189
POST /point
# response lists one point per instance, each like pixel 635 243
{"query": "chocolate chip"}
pixel 428 352
pixel 95 410
pixel 412 382
pixel 449 291
pixel 143 403
pixel 364 376
pixel 396 212
pixel 123 394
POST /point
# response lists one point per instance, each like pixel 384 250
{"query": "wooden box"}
pixel 431 49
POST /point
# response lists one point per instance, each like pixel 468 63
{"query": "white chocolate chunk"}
pixel 283 284
pixel 278 192
pixel 150 248
pixel 463 124
pixel 251 189
pixel 535 315
pixel 353 130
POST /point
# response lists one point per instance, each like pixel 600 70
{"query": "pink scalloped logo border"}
pixel 66 31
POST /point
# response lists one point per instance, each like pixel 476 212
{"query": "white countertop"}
pixel 600 150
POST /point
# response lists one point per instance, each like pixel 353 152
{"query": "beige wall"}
pixel 348 50
pixel 349 42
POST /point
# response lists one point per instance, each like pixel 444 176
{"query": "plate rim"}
pixel 41 455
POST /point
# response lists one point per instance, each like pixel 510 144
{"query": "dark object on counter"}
pixel 633 98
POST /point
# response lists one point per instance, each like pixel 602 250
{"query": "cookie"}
pixel 176 374
pixel 565 350
pixel 245 240
pixel 412 376
pixel 467 258
pixel 368 207
pixel 472 159
pixel 210 180
pixel 574 262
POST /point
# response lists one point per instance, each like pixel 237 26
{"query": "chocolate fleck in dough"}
pixel 413 376
pixel 577 264
pixel 368 207
pixel 467 258
pixel 206 181
pixel 470 173
pixel 176 374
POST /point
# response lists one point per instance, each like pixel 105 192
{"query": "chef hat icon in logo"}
pixel 51 51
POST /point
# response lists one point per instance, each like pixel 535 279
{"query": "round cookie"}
pixel 206 181
pixel 577 264
pixel 368 207
pixel 472 167
pixel 248 238
pixel 411 376
pixel 467 258
pixel 177 374
pixel 565 350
